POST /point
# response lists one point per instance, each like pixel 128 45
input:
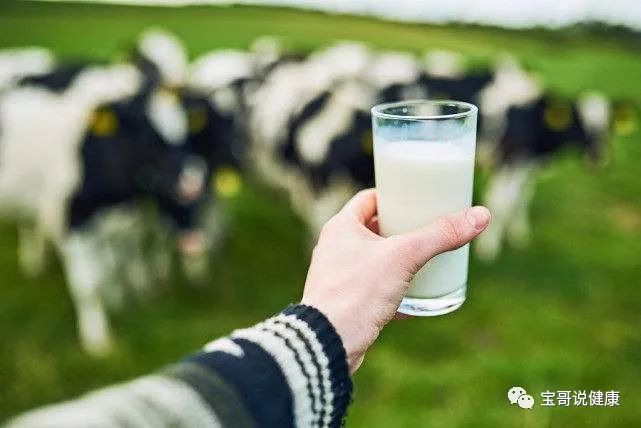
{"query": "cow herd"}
pixel 113 165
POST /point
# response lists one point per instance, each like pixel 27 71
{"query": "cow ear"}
pixel 197 119
pixel 226 182
pixel 625 118
pixel 104 123
pixel 557 115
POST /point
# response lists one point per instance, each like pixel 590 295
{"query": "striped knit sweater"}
pixel 289 370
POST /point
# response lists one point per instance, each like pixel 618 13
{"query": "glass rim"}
pixel 377 110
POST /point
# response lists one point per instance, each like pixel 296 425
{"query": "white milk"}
pixel 417 182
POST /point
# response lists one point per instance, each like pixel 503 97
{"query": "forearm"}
pixel 289 370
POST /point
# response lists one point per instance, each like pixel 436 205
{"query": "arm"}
pixel 292 369
pixel 289 370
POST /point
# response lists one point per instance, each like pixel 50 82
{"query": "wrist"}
pixel 333 349
pixel 353 338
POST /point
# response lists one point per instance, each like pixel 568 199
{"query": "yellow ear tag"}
pixel 227 182
pixel 367 143
pixel 104 123
pixel 197 117
pixel 625 120
pixel 171 92
pixel 558 116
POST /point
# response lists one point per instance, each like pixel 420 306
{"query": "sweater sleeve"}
pixel 287 371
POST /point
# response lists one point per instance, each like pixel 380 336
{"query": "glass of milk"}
pixel 424 163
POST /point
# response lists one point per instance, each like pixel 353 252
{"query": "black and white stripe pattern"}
pixel 311 356
pixel 149 402
pixel 288 371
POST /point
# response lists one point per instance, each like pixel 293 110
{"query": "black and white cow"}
pixel 215 99
pixel 285 92
pixel 319 136
pixel 126 159
pixel 534 132
pixel 213 149
pixel 41 134
pixel 302 96
pixel 79 146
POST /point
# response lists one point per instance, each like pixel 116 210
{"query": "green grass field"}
pixel 562 314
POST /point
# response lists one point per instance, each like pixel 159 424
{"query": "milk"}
pixel 417 182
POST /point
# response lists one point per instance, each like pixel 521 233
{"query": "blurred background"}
pixel 164 170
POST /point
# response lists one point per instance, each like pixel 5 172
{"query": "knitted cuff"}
pixel 340 381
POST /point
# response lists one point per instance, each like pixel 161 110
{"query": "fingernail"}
pixel 478 217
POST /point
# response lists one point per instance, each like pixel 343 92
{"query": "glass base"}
pixel 433 306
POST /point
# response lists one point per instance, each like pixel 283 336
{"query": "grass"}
pixel 562 313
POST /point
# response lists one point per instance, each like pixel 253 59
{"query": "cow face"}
pixel 123 157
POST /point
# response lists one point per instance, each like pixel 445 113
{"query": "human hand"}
pixel 358 278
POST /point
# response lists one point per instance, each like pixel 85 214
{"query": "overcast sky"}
pixel 514 13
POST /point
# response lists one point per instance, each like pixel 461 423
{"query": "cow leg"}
pixel 111 261
pixel 84 272
pixel 301 196
pixel 502 197
pixel 194 252
pixel 160 250
pixel 136 265
pixel 215 223
pixel 32 248
pixel 518 228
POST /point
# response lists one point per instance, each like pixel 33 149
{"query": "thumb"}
pixel 445 234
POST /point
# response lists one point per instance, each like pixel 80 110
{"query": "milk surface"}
pixel 417 182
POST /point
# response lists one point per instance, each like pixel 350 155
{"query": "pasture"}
pixel 560 314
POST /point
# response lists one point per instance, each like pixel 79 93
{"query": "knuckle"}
pixel 450 231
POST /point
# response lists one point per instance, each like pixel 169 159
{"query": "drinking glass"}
pixel 424 165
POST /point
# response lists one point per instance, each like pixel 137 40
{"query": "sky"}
pixel 515 13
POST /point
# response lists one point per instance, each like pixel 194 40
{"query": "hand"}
pixel 358 278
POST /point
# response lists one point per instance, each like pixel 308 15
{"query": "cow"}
pixel 317 138
pixel 79 146
pixel 311 126
pixel 286 90
pixel 535 131
pixel 40 139
pixel 215 98
pixel 321 147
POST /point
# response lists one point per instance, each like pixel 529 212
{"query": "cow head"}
pixel 545 126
